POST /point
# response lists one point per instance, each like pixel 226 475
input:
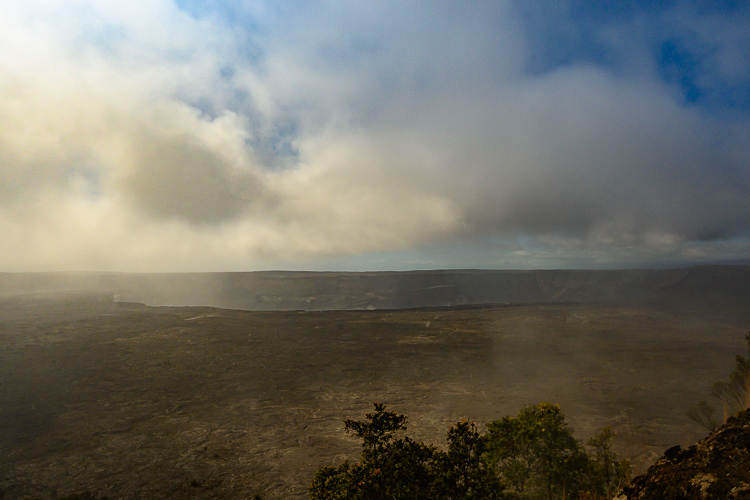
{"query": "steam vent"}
pixel 718 467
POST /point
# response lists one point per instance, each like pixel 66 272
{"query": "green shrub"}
pixel 733 396
pixel 533 455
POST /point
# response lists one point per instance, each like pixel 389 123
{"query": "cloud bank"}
pixel 245 135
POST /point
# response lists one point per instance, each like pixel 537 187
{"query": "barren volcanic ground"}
pixel 130 401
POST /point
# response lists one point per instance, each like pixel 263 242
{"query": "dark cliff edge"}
pixel 702 286
pixel 718 467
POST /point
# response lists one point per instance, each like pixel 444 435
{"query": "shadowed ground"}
pixel 131 401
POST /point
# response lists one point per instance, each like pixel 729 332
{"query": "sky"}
pixel 228 135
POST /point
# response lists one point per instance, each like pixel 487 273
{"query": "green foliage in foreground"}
pixel 531 456
pixel 733 396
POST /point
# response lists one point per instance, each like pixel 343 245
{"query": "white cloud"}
pixel 136 137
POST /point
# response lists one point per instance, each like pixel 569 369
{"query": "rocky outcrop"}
pixel 718 467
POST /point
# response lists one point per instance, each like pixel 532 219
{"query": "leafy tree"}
pixel 536 454
pixel 377 431
pixel 389 467
pixel 402 468
pixel 734 395
pixel 607 472
pixel 462 471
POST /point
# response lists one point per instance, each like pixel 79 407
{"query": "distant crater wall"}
pixel 280 290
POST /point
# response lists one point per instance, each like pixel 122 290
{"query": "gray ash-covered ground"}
pixel 128 401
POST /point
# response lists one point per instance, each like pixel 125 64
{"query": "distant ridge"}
pixel 293 290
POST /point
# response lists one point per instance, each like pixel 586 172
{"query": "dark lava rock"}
pixel 718 467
